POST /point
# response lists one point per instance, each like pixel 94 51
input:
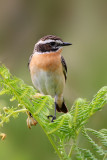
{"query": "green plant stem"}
pixel 54 146
pixel 74 144
pixel 105 156
pixel 49 137
pixel 71 150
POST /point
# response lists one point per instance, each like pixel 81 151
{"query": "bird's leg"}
pixel 53 117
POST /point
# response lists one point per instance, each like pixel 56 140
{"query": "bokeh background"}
pixel 84 24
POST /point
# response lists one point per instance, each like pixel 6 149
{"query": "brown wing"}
pixel 64 66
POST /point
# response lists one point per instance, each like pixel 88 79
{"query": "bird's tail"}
pixel 61 108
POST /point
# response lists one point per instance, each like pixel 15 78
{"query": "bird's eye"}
pixel 52 43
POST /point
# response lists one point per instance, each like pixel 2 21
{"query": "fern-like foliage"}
pixel 63 133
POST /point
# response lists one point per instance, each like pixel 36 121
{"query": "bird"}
pixel 48 70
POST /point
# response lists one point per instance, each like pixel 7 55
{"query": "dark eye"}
pixel 52 43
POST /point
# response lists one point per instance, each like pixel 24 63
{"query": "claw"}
pixel 53 117
pixel 50 116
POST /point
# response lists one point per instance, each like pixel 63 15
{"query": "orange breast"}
pixel 47 62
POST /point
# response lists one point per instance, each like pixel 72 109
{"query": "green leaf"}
pixel 63 133
pixel 100 135
pixel 83 154
pixel 95 146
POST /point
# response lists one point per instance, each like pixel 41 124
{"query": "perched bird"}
pixel 48 70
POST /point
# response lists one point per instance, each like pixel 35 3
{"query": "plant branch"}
pixel 66 127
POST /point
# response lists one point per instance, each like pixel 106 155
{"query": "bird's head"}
pixel 49 44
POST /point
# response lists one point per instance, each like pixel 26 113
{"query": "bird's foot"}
pixel 53 117
pixel 30 120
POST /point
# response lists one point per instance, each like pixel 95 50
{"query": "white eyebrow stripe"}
pixel 48 41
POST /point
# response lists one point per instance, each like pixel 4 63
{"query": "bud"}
pixel 31 122
pixel 0 115
pixel 20 105
pixel 3 136
pixel 5 109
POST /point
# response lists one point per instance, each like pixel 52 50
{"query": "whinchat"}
pixel 48 70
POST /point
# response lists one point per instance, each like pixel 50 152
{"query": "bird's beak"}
pixel 66 44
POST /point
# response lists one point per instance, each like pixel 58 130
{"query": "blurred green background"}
pixel 84 24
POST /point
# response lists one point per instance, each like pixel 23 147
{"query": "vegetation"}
pixel 64 132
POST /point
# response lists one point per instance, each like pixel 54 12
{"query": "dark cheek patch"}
pixel 45 48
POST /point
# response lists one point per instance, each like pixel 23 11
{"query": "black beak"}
pixel 66 44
